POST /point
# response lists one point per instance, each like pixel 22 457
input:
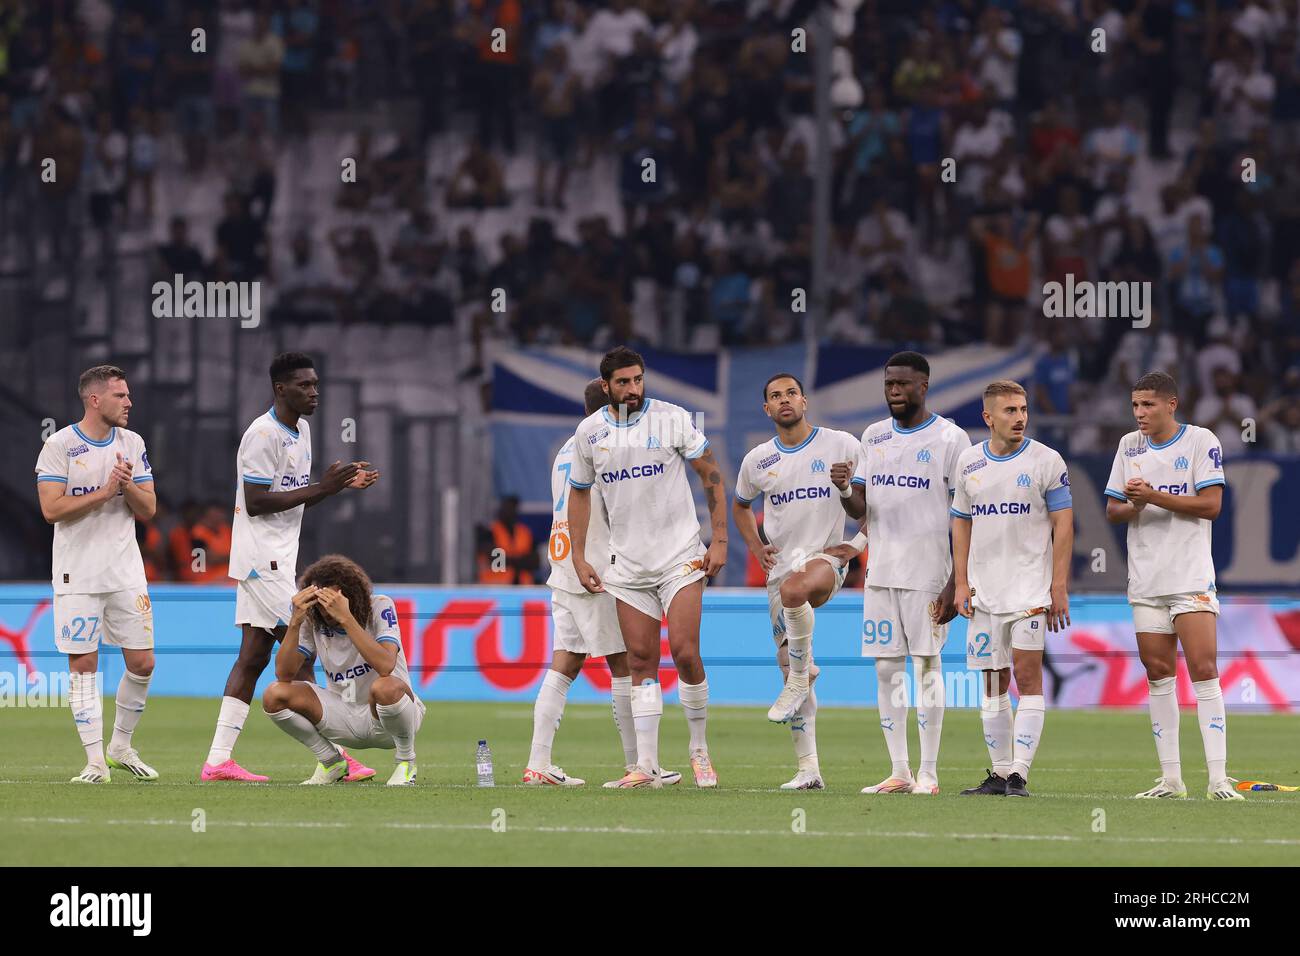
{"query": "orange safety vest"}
pixel 516 544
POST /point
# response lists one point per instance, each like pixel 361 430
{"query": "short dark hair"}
pixel 910 360
pixel 97 376
pixel 617 358
pixel 286 363
pixel 781 375
pixel 1158 382
pixel 594 396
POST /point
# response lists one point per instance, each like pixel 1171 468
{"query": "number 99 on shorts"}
pixel 880 633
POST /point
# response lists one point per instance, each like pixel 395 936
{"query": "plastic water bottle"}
pixel 483 757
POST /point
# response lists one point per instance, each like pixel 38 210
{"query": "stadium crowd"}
pixel 1125 165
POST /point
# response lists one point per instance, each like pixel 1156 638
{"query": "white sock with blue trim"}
pixel 132 690
pixel 399 721
pixel 300 728
pixel 1213 719
pixel 647 709
pixel 891 701
pixel 547 712
pixel 88 715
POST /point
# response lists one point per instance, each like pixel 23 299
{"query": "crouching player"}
pixel 368 701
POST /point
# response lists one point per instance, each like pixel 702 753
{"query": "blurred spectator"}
pixel 108 171
pixel 210 533
pixel 241 241
pixel 1241 235
pixel 1218 353
pixel 1281 431
pixel 179 256
pixel 512 550
pixel 495 30
pixel 1112 146
pixel 153 548
pixel 645 164
pixel 144 147
pixel 1224 411
pixel 180 541
pixel 555 91
pixel 191 82
pixel 260 59
pixel 1055 372
pixel 1196 270
pixel 1006 252
pixel 297 27
pixel 478 181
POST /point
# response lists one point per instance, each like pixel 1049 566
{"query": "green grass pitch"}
pixel 1089 766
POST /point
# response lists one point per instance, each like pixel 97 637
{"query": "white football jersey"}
pixel 1008 499
pixel 802 513
pixel 341 660
pixel 909 475
pixel 1168 553
pixel 560 550
pixel 640 466
pixel 279 457
pixel 97 552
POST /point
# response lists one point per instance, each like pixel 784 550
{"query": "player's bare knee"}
pixel 618 665
pixel 1201 670
pixel 142 666
pixel 276 696
pixel 1029 673
pixel 1158 666
pixel 794 591
pixel 386 690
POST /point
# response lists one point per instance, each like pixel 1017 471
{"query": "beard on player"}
pixel 905 401
pixel 787 413
pixel 630 398
pixel 112 403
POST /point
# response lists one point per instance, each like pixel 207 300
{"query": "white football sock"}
pixel 891 701
pixel 1030 716
pixel 647 708
pixel 229 723
pixel 1163 703
pixel 399 720
pixel 798 638
pixel 995 713
pixel 547 712
pixel 929 710
pixel 1214 727
pixel 803 732
pixel 620 689
pixel 88 716
pixel 695 701
pixel 132 690
pixel 300 728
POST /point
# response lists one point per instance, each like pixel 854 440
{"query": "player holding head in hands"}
pixel 805 556
pixel 93 480
pixel 1167 485
pixel 905 476
pixel 582 623
pixel 367 700
pixel 273 489
pixel 1012 538
pixel 637 449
